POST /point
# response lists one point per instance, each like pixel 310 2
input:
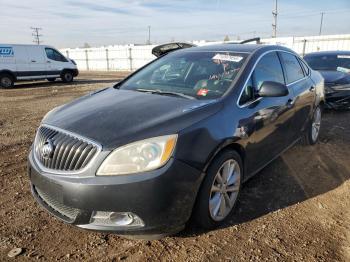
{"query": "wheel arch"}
pixel 6 71
pixel 230 144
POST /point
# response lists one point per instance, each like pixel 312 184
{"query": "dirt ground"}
pixel 296 209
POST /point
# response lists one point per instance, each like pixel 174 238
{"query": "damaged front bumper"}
pixel 338 97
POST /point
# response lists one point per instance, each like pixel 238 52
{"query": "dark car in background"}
pixel 334 66
pixel 174 140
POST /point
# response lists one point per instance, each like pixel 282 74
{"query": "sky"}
pixel 71 23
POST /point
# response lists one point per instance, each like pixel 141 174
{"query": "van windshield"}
pixel 200 75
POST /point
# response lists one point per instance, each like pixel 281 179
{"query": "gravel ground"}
pixel 296 209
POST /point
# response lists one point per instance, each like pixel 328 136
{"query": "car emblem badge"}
pixel 47 149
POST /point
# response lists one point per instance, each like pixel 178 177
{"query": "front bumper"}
pixel 162 198
pixel 338 98
pixel 75 72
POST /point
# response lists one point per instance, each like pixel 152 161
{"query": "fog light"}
pixel 116 219
pixel 121 219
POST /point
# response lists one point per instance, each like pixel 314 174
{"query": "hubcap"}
pixel 6 82
pixel 316 124
pixel 224 190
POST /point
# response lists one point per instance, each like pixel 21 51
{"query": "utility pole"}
pixel 149 35
pixel 321 24
pixel 274 25
pixel 36 35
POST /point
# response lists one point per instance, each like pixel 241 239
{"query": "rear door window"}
pixel 294 71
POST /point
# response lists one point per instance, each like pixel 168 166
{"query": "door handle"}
pixel 33 61
pixel 48 62
pixel 312 88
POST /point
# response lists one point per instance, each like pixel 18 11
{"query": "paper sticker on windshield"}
pixel 202 92
pixel 343 69
pixel 226 57
pixel 343 56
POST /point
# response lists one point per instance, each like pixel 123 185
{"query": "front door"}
pixel 269 117
pixel 56 62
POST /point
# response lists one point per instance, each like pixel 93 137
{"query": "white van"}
pixel 33 62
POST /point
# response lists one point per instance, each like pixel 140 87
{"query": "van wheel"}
pixel 6 80
pixel 51 79
pixel 67 76
pixel 313 132
pixel 219 192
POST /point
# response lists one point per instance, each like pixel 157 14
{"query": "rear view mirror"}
pixel 272 89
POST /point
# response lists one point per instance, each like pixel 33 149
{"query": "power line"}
pixel 274 25
pixel 36 35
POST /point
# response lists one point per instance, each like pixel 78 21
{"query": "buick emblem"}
pixel 47 149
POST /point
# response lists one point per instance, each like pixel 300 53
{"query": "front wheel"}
pixel 67 76
pixel 313 132
pixel 219 191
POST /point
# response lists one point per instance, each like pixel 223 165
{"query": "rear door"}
pixel 37 62
pixel 299 82
pixel 268 119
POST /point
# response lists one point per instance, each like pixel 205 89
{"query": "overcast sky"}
pixel 71 23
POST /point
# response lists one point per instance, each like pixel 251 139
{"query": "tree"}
pixel 226 39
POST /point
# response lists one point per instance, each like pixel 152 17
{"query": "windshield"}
pixel 200 75
pixel 328 62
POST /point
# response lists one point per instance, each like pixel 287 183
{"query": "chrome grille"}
pixel 68 152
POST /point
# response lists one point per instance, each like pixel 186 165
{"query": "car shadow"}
pixel 299 174
pixel 42 84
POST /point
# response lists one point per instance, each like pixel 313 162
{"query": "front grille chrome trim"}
pixel 63 147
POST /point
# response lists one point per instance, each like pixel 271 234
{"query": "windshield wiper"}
pixel 160 92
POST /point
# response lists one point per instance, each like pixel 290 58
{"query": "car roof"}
pixel 328 53
pixel 243 48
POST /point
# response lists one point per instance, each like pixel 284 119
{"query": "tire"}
pixel 313 132
pixel 208 215
pixel 67 76
pixel 6 81
pixel 51 79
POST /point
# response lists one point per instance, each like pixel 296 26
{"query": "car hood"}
pixel 335 77
pixel 115 117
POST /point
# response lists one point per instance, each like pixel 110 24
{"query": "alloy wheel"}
pixel 224 190
pixel 316 124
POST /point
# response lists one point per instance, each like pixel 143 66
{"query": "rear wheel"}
pixel 6 81
pixel 313 132
pixel 67 76
pixel 53 79
pixel 220 189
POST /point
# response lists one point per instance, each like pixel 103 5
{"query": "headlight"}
pixel 140 156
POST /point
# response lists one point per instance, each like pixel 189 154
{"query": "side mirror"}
pixel 272 89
